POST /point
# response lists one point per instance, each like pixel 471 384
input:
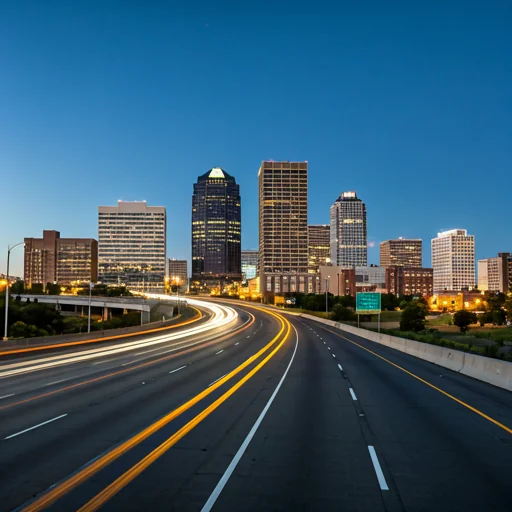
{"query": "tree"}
pixel 508 307
pixel 498 317
pixel 464 318
pixel 389 301
pixel 413 318
pixel 36 289
pixel 18 287
pixel 52 289
pixel 341 313
pixel 495 300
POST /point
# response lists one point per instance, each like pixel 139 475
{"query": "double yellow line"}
pixel 87 472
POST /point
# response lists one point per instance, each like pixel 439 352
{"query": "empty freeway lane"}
pixel 270 412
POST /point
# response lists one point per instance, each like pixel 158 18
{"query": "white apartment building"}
pixel 453 260
pixel 131 245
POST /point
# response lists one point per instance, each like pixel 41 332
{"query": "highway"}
pixel 261 411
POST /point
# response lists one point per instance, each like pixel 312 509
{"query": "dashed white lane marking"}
pixel 248 336
pixel 333 355
pixel 219 352
pixel 57 381
pixel 378 469
pixel 178 369
pixel 352 394
pixel 328 348
pixel 7 396
pixel 147 351
pixel 35 426
pixel 339 366
pixel 236 459
pixel 216 380
pixel 103 362
pixel 319 337
pixel 325 343
pixel 132 362
pixel 237 343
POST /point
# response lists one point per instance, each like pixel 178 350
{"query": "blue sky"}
pixel 408 103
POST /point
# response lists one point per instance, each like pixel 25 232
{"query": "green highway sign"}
pixel 368 303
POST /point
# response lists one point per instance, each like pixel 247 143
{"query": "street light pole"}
pixel 89 316
pixel 9 249
pixel 326 295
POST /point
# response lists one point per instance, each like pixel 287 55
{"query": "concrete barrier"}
pixel 493 371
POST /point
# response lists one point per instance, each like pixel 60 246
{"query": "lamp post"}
pixel 9 249
pixel 89 316
pixel 326 295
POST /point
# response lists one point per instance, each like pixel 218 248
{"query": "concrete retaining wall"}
pixel 493 371
pixel 65 338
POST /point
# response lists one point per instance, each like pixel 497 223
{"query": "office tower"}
pixel 319 248
pixel 453 260
pixel 131 245
pixel 348 231
pixel 401 252
pixel 216 229
pixel 77 260
pixel 52 259
pixel 415 281
pixel 495 274
pixel 249 264
pixel 177 274
pixel 283 228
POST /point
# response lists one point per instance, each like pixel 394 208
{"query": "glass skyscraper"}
pixel 216 229
pixel 348 231
pixel 249 263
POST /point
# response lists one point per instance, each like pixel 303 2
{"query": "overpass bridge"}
pixel 126 303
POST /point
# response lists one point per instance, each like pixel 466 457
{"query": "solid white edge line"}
pixel 376 465
pixel 35 426
pixel 219 352
pixel 236 459
pixel 178 369
pixel 216 380
pixel 7 396
pixel 352 394
pixel 339 366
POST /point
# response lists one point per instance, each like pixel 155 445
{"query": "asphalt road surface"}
pixel 271 412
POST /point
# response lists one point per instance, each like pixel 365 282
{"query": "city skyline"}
pixel 409 108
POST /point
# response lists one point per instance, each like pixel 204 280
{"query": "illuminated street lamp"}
pixel 9 249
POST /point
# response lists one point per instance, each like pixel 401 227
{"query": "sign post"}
pixel 368 303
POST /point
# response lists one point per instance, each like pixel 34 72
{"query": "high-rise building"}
pixel 495 274
pixel 453 261
pixel 283 227
pixel 177 274
pixel 131 245
pixel 401 252
pixel 216 229
pixel 348 231
pixel 52 259
pixel 249 264
pixel 319 248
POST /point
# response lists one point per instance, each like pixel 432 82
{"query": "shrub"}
pixel 463 319
pixel 413 318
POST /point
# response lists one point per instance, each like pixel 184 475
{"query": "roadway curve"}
pixel 268 413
